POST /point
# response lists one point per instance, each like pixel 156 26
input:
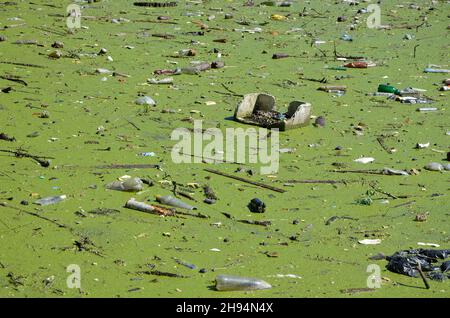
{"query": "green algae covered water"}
pixel 84 121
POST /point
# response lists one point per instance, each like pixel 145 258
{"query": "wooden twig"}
pixel 232 92
pixel 6 205
pixel 212 159
pixel 368 171
pixel 229 94
pixel 22 64
pixel 158 22
pixel 186 195
pixel 22 154
pixel 262 223
pixel 196 215
pixel 129 166
pixel 50 31
pixel 159 273
pixel 258 184
pixel 318 181
pixel 425 281
pixel 383 192
pixel 133 124
pixel 403 204
pixel 13 79
pixel 415 48
pixel 383 145
pixel 322 80
pixel 337 55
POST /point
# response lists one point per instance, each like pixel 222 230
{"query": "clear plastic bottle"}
pixel 139 206
pixel 189 70
pixel 234 283
pixel 170 200
pixel 131 184
pixel 51 200
pixel 435 70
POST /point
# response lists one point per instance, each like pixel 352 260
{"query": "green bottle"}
pixel 388 89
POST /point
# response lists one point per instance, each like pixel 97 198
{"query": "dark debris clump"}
pixel 406 262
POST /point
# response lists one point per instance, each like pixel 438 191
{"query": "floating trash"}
pixel 259 109
pixel 167 80
pixel 144 207
pixel 389 171
pixel 407 262
pixel 428 244
pixel 427 109
pixel 364 160
pixel 254 30
pixel 359 65
pixel 434 166
pixel 435 70
pixel 320 121
pixel 51 200
pixel 237 283
pixel 256 206
pixel 145 100
pixel 422 146
pixel 147 154
pixel 370 242
pixel 169 200
pixel 346 37
pixel 129 184
pixel 382 88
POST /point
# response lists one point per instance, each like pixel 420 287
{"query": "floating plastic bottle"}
pixel 131 184
pixel 382 88
pixel 357 65
pixel 170 200
pixel 426 109
pixel 434 166
pixel 51 200
pixel 379 94
pixel 414 100
pixel 167 80
pixel 435 70
pixel 337 92
pixel 251 31
pixel 187 70
pixel 203 66
pixel 139 206
pixel 235 283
